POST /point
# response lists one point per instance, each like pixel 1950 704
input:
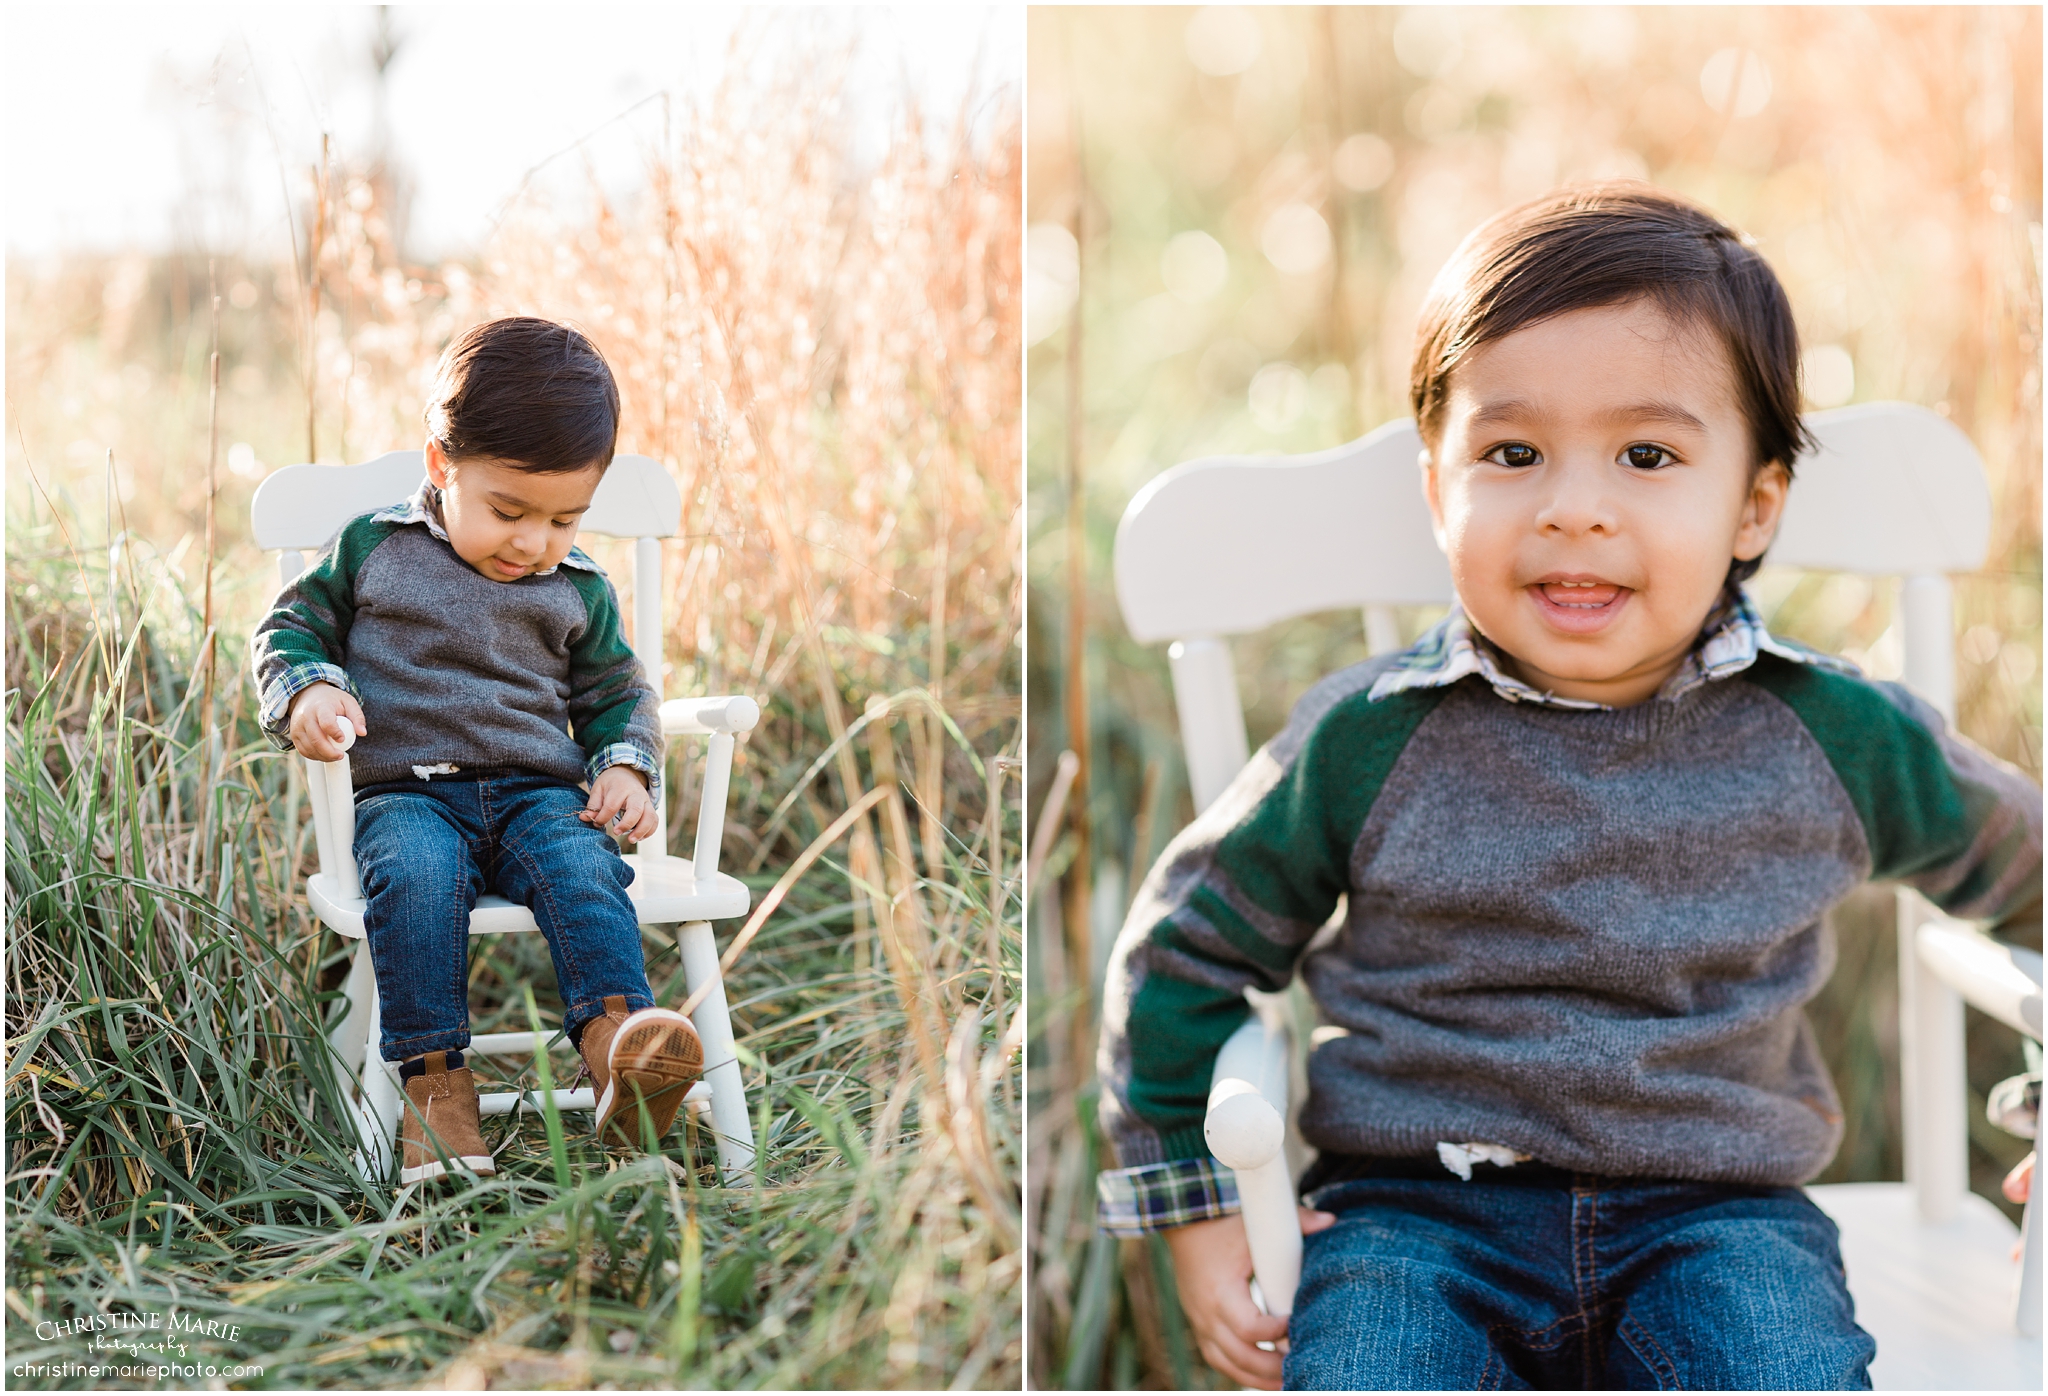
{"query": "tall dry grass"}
pixel 825 353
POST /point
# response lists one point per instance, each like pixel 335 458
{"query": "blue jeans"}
pixel 1553 1280
pixel 426 850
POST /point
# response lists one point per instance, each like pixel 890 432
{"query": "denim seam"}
pixel 1533 1337
pixel 1586 1273
pixel 1656 1359
pixel 459 961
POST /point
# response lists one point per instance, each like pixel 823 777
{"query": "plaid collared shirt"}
pixel 1133 1201
pixel 1732 638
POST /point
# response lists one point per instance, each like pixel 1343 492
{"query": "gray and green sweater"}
pixel 454 669
pixel 1583 933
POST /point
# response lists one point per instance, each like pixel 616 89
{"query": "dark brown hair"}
pixel 528 392
pixel 1606 244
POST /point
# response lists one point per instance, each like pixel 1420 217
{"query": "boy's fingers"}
pixel 354 712
pixel 2020 1181
pixel 1242 1362
pixel 641 812
pixel 1313 1221
pixel 608 802
pixel 1243 1320
pixel 1255 1327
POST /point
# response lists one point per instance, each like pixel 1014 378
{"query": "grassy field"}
pixel 825 354
pixel 1261 198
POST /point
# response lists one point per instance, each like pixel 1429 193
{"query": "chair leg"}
pixel 378 1109
pixel 722 1070
pixel 352 1032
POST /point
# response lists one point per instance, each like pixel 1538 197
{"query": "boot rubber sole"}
pixel 481 1164
pixel 654 1057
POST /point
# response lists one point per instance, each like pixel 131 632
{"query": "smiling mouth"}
pixel 1578 605
pixel 1580 596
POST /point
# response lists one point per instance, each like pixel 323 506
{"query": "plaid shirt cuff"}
pixel 626 754
pixel 1134 1201
pixel 276 712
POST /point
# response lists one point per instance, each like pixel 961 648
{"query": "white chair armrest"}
pixel 2001 980
pixel 696 717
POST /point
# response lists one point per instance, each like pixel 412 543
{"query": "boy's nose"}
pixel 1578 501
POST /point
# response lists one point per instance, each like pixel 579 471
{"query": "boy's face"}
pixel 505 522
pixel 1591 484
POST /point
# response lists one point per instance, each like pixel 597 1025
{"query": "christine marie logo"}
pixel 144 1346
pixel 128 1324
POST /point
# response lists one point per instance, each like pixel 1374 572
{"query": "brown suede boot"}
pixel 651 1057
pixel 442 1119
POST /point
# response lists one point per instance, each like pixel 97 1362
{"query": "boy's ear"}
pixel 437 464
pixel 1762 511
pixel 1429 495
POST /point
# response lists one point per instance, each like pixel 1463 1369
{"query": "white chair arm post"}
pixel 721 719
pixel 334 815
pixel 1211 715
pixel 1246 1129
pixel 1932 1074
pixel 711 811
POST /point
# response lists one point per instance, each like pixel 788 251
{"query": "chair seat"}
pixel 1938 1299
pixel 664 891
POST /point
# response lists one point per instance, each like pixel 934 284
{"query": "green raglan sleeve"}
pixel 1940 814
pixel 304 638
pixel 1231 905
pixel 614 713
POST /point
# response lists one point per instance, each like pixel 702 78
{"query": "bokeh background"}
pixel 1234 214
pixel 797 236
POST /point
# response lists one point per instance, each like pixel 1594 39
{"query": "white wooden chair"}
pixel 297 509
pixel 1226 546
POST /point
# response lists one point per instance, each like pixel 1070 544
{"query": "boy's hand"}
pixel 1212 1265
pixel 312 721
pixel 620 793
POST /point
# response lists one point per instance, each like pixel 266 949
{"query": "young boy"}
pixel 476 653
pixel 1585 834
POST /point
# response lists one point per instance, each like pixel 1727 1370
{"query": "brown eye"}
pixel 1644 456
pixel 1514 454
